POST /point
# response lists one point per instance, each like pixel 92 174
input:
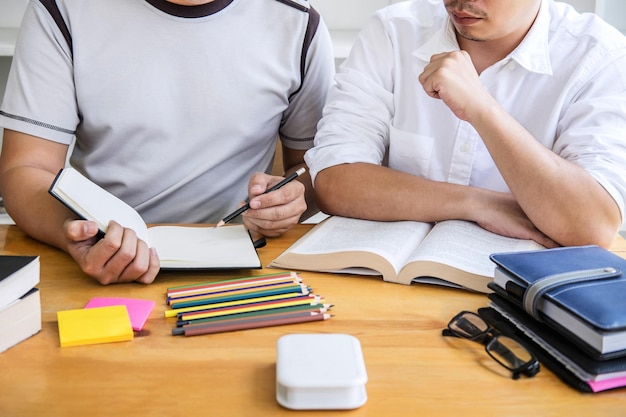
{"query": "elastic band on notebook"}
pixel 538 288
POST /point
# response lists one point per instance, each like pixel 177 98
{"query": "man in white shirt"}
pixel 508 113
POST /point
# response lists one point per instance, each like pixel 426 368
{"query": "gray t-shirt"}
pixel 172 107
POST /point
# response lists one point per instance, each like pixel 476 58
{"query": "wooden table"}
pixel 412 369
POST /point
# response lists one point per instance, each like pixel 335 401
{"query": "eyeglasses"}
pixel 506 351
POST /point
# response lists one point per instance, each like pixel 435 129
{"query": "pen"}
pixel 245 207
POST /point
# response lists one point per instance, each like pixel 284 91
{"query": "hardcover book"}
pixel 582 300
pixel 20 319
pixel 18 275
pixel 560 347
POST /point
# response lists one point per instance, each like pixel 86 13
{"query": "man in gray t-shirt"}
pixel 174 106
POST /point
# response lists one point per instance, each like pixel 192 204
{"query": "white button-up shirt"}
pixel 565 83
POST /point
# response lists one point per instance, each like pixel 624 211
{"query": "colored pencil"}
pixel 235 290
pixel 316 308
pixel 253 319
pixel 232 290
pixel 239 303
pixel 238 295
pixel 243 303
pixel 245 326
pixel 306 300
pixel 232 283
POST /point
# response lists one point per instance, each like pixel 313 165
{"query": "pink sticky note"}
pixel 138 310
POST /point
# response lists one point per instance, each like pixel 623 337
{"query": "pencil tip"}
pixel 219 224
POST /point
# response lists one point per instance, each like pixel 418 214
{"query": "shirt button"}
pixel 510 66
pixel 465 148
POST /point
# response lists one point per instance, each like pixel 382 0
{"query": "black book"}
pixel 18 275
pixel 559 354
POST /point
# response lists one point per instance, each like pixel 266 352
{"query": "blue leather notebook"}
pixel 580 291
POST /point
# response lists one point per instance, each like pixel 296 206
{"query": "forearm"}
pixel 561 199
pixel 28 166
pixel 378 193
pixel 25 193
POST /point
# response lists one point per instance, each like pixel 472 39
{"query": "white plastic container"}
pixel 320 372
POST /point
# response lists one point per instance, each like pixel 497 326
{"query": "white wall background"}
pixel 343 17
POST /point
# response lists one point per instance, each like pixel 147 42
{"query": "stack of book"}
pixel 20 306
pixel 244 303
pixel 568 305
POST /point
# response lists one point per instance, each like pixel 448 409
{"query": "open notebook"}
pixel 179 247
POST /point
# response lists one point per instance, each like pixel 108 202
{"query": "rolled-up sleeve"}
pixel 592 130
pixel 355 124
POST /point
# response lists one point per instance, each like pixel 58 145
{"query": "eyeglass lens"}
pixel 508 352
pixel 505 350
pixel 468 325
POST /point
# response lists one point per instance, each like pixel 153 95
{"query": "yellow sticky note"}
pixel 94 325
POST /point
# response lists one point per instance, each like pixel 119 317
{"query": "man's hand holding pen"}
pixel 274 204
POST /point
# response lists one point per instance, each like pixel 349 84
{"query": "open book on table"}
pixel 178 247
pixel 453 252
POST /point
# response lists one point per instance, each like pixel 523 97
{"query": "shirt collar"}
pixel 532 53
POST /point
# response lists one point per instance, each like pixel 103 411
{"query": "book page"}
pixel 467 246
pixel 394 241
pixel 208 247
